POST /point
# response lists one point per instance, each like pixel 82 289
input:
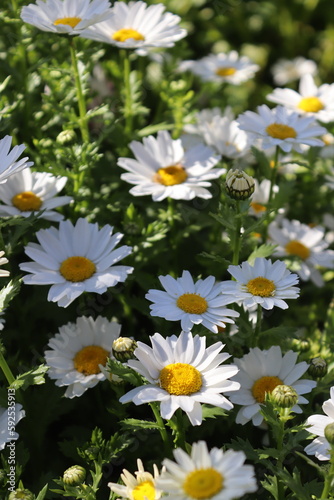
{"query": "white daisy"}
pixel 259 373
pixel 75 259
pixel 265 283
pixel 310 100
pixel 79 351
pixel 137 26
pixel 304 243
pixel 285 71
pixel 141 486
pixel 327 151
pixel 320 447
pixel 182 373
pixel 164 169
pixel 26 192
pixel 229 68
pixel 3 261
pixel 8 159
pixel 281 127
pixel 191 303
pixel 65 16
pixel 260 197
pixel 9 417
pixel 220 131
pixel 209 475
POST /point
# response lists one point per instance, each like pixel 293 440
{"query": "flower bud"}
pixel 21 494
pixel 66 136
pixel 74 476
pixel 302 345
pixel 317 367
pixel 123 349
pixel 239 185
pixel 284 396
pixel 329 433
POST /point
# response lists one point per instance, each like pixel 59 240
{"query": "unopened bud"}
pixel 239 185
pixel 329 433
pixel 66 136
pixel 284 396
pixel 74 476
pixel 317 368
pixel 303 345
pixel 21 494
pixel 123 349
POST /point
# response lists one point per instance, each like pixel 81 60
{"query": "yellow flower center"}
pixel 144 491
pixel 27 201
pixel 69 21
pixel 192 303
pixel 225 71
pixel 125 33
pixel 261 286
pixel 180 379
pixel 88 359
pixel 280 131
pixel 263 386
pixel 257 207
pixel 310 104
pixel 77 268
pixel 169 176
pixel 294 247
pixel 203 483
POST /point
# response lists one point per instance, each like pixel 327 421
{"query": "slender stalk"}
pixel 257 329
pixel 328 479
pixel 83 122
pixel 127 91
pixel 162 428
pixel 6 370
pixel 273 175
pixel 237 237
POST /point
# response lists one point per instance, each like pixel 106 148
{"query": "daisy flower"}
pixel 163 168
pixel 137 26
pixel 265 283
pixel 9 417
pixel 78 353
pixel 3 272
pixel 182 373
pixel 320 447
pixel 260 197
pixel 306 244
pixel 229 68
pixel 8 159
pixel 285 71
pixel 65 16
pixel 191 303
pixel 209 475
pixel 75 259
pixel 141 486
pixel 310 100
pixel 27 191
pixel 259 373
pixel 281 127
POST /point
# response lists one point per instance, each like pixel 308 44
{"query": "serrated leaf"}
pixel 36 376
pixel 124 372
pixel 136 424
pixel 212 412
pixel 264 251
pixel 9 292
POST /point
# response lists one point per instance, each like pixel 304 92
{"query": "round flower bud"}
pixel 21 494
pixel 123 348
pixel 74 476
pixel 329 433
pixel 92 452
pixel 317 368
pixel 284 396
pixel 303 345
pixel 239 185
pixel 66 136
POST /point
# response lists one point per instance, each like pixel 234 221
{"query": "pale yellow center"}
pixel 310 104
pixel 294 247
pixel 125 33
pixel 27 201
pixel 180 379
pixel 69 21
pixel 261 286
pixel 192 303
pixel 263 386
pixel 225 71
pixel 77 268
pixel 203 483
pixel 280 131
pixel 88 359
pixel 169 176
pixel 257 207
pixel 143 491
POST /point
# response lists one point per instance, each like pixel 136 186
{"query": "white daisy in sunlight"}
pixel 259 373
pixel 9 417
pixel 182 373
pixel 9 163
pixel 26 192
pixel 265 283
pixel 229 68
pixel 78 352
pixel 137 25
pixel 191 303
pixel 75 259
pixel 163 168
pixel 65 16
pixel 141 486
pixel 320 447
pixel 281 127
pixel 286 71
pixel 310 100
pixel 207 475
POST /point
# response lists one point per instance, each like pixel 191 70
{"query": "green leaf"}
pixel 135 424
pixel 264 250
pixel 212 412
pixel 9 292
pixel 42 493
pixel 124 372
pixel 36 376
pixel 216 258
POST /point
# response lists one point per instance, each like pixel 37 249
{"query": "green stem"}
pixel 127 91
pixel 162 428
pixel 237 236
pixel 83 122
pixel 328 479
pixel 257 329
pixel 6 370
pixel 273 175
